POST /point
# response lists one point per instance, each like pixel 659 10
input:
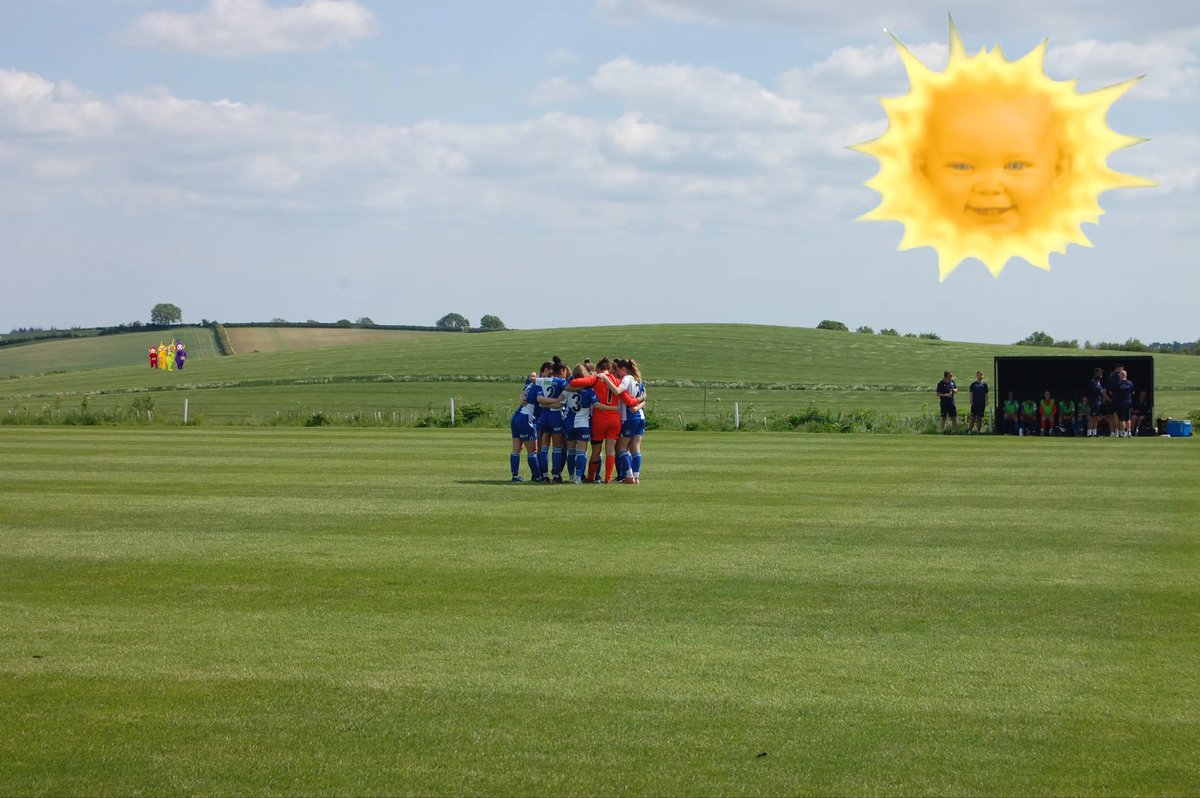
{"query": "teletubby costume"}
pixel 171 357
pixel 153 358
pixel 162 356
pixel 180 355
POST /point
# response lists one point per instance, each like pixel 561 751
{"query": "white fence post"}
pixel 737 416
pixel 452 411
pixel 185 403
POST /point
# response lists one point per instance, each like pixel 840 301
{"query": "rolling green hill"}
pixel 693 370
pixel 98 352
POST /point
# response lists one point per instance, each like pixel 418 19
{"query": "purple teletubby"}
pixel 180 355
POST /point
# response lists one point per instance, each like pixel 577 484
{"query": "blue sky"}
pixel 554 163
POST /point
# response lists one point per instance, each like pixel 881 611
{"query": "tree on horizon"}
pixel 166 313
pixel 454 321
pixel 491 322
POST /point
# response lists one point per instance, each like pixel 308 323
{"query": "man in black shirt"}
pixel 945 391
pixel 979 394
pixel 1110 385
pixel 1123 403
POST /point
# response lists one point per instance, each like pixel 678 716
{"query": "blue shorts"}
pixel 633 427
pixel 522 427
pixel 579 433
pixel 551 421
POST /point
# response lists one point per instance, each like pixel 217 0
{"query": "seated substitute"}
pixel 1066 417
pixel 1029 417
pixel 1139 416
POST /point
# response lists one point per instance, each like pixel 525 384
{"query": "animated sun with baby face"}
pixel 991 159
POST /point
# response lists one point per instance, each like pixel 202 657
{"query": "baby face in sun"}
pixel 991 159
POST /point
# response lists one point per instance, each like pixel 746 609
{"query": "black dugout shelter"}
pixel 1065 376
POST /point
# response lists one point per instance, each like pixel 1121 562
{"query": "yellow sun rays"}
pixel 1077 126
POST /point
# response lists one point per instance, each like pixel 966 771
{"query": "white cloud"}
pixel 555 90
pixel 873 70
pixel 1172 159
pixel 30 104
pixel 916 17
pixel 161 151
pixel 688 147
pixel 247 27
pixel 691 95
pixel 1172 70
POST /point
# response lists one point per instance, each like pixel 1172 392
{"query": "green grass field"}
pixel 689 368
pixel 247 340
pixel 333 611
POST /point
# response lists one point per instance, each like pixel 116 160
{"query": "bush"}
pixel 317 419
pixel 828 324
pixel 865 330
pixel 888 331
pixel 469 413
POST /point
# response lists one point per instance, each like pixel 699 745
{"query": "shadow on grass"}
pixel 507 481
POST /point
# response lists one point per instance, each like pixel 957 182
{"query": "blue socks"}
pixel 514 462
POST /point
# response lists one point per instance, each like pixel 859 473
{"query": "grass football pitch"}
pixel 379 611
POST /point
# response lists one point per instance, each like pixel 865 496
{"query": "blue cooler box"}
pixel 1179 429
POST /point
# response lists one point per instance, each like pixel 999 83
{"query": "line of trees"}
pixel 1040 338
pixel 830 324
pixel 457 321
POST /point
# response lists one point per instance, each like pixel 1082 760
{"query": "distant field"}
pixel 380 612
pixel 101 352
pixel 693 370
pixel 246 340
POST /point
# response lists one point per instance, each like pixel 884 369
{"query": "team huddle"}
pixel 563 411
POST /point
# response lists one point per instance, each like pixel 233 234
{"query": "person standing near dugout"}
pixel 1123 404
pixel 945 391
pixel 979 395
pixel 1101 407
pixel 1110 408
